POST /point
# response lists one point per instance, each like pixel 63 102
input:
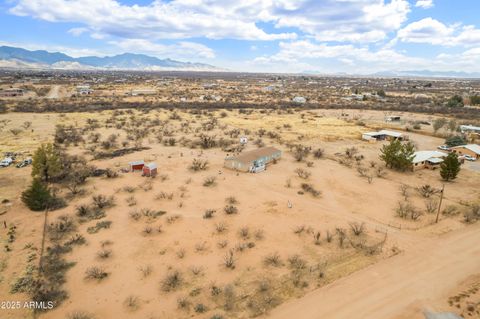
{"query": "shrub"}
pixel 302 173
pixel 200 308
pixel 230 209
pixel 62 226
pixel 357 228
pixel 198 165
pixel 318 153
pixel 229 260
pixel 426 191
pixel 100 225
pixel 102 201
pixel 308 188
pixel 96 273
pixel 172 281
pixel 132 303
pixel 210 181
pixel 209 213
pixel 272 260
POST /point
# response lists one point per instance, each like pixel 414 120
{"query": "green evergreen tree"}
pixel 455 140
pixel 450 167
pixel 398 155
pixel 37 196
pixel 46 163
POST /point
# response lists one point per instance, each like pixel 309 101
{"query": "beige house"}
pixel 469 149
pixel 253 161
pixel 427 159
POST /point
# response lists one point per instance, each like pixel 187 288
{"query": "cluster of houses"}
pixel 433 159
pixel 84 89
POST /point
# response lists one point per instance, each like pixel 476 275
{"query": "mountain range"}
pixel 12 57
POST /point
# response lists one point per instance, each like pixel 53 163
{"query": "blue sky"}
pixel 330 36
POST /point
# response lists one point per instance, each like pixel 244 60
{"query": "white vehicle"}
pixel 469 158
pixel 7 161
pixel 443 147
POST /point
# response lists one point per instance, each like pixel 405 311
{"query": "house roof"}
pixel 472 147
pixel 250 156
pixel 422 156
pixel 384 132
pixel 390 133
pixel 136 163
pixel 435 160
pixel 470 127
pixel 151 165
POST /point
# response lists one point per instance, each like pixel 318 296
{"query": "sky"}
pixel 291 36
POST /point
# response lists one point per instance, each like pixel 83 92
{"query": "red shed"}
pixel 150 170
pixel 136 166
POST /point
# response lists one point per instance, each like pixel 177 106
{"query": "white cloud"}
pixel 77 31
pixel 182 49
pixel 427 30
pixel 434 32
pixel 425 4
pixel 335 20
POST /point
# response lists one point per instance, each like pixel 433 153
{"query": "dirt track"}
pixel 400 287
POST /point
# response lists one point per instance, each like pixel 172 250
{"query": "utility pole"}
pixel 440 203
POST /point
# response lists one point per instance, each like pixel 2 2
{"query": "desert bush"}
pixel 102 201
pixel 96 273
pixel 61 227
pixel 132 303
pixel 244 232
pixel 259 234
pixel 431 206
pixel 104 253
pixel 407 210
pixel 200 308
pixel 172 281
pixel 198 165
pixel 230 210
pixel 229 260
pixel 318 153
pixel 272 260
pixel 220 228
pixel 209 213
pixel 357 228
pixel 231 200
pixel 309 188
pixel 341 236
pixel 302 173
pixel 301 152
pixel 426 191
pixel 297 262
pixel 472 214
pixel 317 238
pixel 181 253
pixel 210 181
pixel 100 225
pixel 183 303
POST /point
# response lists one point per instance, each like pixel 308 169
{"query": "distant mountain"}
pixel 11 57
pixel 428 74
pixel 392 74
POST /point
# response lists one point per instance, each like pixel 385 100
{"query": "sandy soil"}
pixel 401 287
pixel 262 203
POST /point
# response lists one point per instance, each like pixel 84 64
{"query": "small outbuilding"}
pixel 136 166
pixel 150 170
pixel 253 161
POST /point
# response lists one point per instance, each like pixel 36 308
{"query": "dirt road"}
pixel 400 287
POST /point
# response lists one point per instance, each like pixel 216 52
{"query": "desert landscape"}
pixel 327 229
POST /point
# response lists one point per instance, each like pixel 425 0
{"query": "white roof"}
pixel 136 163
pixel 422 156
pixel 151 165
pixel 390 133
pixel 472 147
pixel 470 127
